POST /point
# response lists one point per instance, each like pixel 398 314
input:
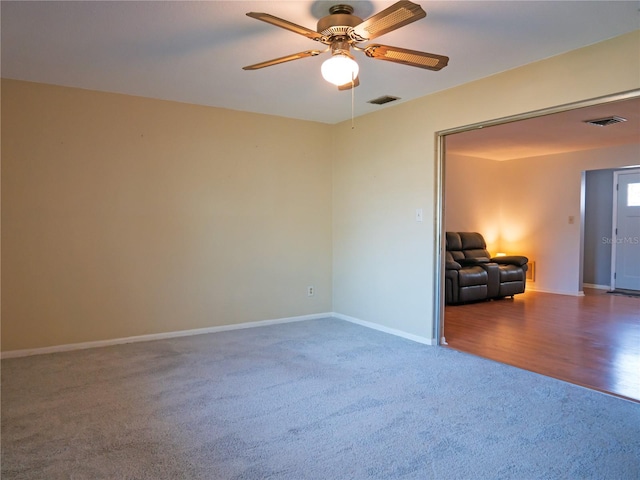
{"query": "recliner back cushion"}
pixel 473 245
pixel 466 245
pixel 454 246
pixel 457 256
pixel 472 241
pixel 454 242
pixel 476 254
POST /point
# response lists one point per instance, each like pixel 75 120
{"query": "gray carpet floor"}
pixel 321 399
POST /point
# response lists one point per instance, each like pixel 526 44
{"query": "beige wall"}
pixel 383 260
pixel 535 213
pixel 125 216
pixel 535 198
pixel 473 197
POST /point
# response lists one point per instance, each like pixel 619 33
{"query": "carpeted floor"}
pixel 322 399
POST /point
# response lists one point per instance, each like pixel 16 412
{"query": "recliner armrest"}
pixel 452 266
pixel 469 262
pixel 511 260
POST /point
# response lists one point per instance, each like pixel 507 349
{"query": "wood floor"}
pixel 593 341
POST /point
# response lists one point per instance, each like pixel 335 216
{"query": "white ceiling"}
pixel 194 51
pixel 552 134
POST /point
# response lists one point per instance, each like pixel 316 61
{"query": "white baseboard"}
pixel 598 287
pixel 576 293
pixel 157 336
pixel 392 331
pixel 201 331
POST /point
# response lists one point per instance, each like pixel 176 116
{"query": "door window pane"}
pixel 633 195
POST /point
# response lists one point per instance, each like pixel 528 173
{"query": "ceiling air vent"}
pixel 605 122
pixel 384 99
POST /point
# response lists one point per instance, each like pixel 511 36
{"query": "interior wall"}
pixel 529 213
pixel 598 225
pixel 541 195
pixel 125 216
pixel 384 261
pixel 472 202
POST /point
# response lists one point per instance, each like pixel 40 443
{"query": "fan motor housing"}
pixel 338 21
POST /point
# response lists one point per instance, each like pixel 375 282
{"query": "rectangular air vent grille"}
pixel 531 271
pixel 384 99
pixel 604 122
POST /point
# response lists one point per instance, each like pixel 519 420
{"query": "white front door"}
pixel 626 230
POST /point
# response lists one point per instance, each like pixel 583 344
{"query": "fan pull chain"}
pixel 353 95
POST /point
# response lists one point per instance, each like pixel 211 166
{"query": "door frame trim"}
pixel 440 171
pixel 614 218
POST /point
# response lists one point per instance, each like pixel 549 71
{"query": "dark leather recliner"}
pixel 471 274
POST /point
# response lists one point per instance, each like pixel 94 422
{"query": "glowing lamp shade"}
pixel 339 69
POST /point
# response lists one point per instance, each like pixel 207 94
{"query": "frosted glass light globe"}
pixel 339 69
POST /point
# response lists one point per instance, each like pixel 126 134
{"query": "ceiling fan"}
pixel 341 31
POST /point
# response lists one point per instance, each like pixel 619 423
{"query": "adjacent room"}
pixel 547 167
pixel 221 266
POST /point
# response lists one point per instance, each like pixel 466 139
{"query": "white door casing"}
pixel 625 238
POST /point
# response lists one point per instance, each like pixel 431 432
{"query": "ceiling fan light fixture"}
pixel 341 30
pixel 340 69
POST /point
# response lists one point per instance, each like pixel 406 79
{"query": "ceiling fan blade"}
pixel 288 58
pixel 397 15
pixel 414 58
pixel 292 27
pixel 348 86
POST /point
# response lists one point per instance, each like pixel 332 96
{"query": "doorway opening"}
pixel 495 335
pixel 601 236
pixel 625 236
pixel 478 133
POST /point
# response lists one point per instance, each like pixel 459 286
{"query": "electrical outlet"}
pixel 311 291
